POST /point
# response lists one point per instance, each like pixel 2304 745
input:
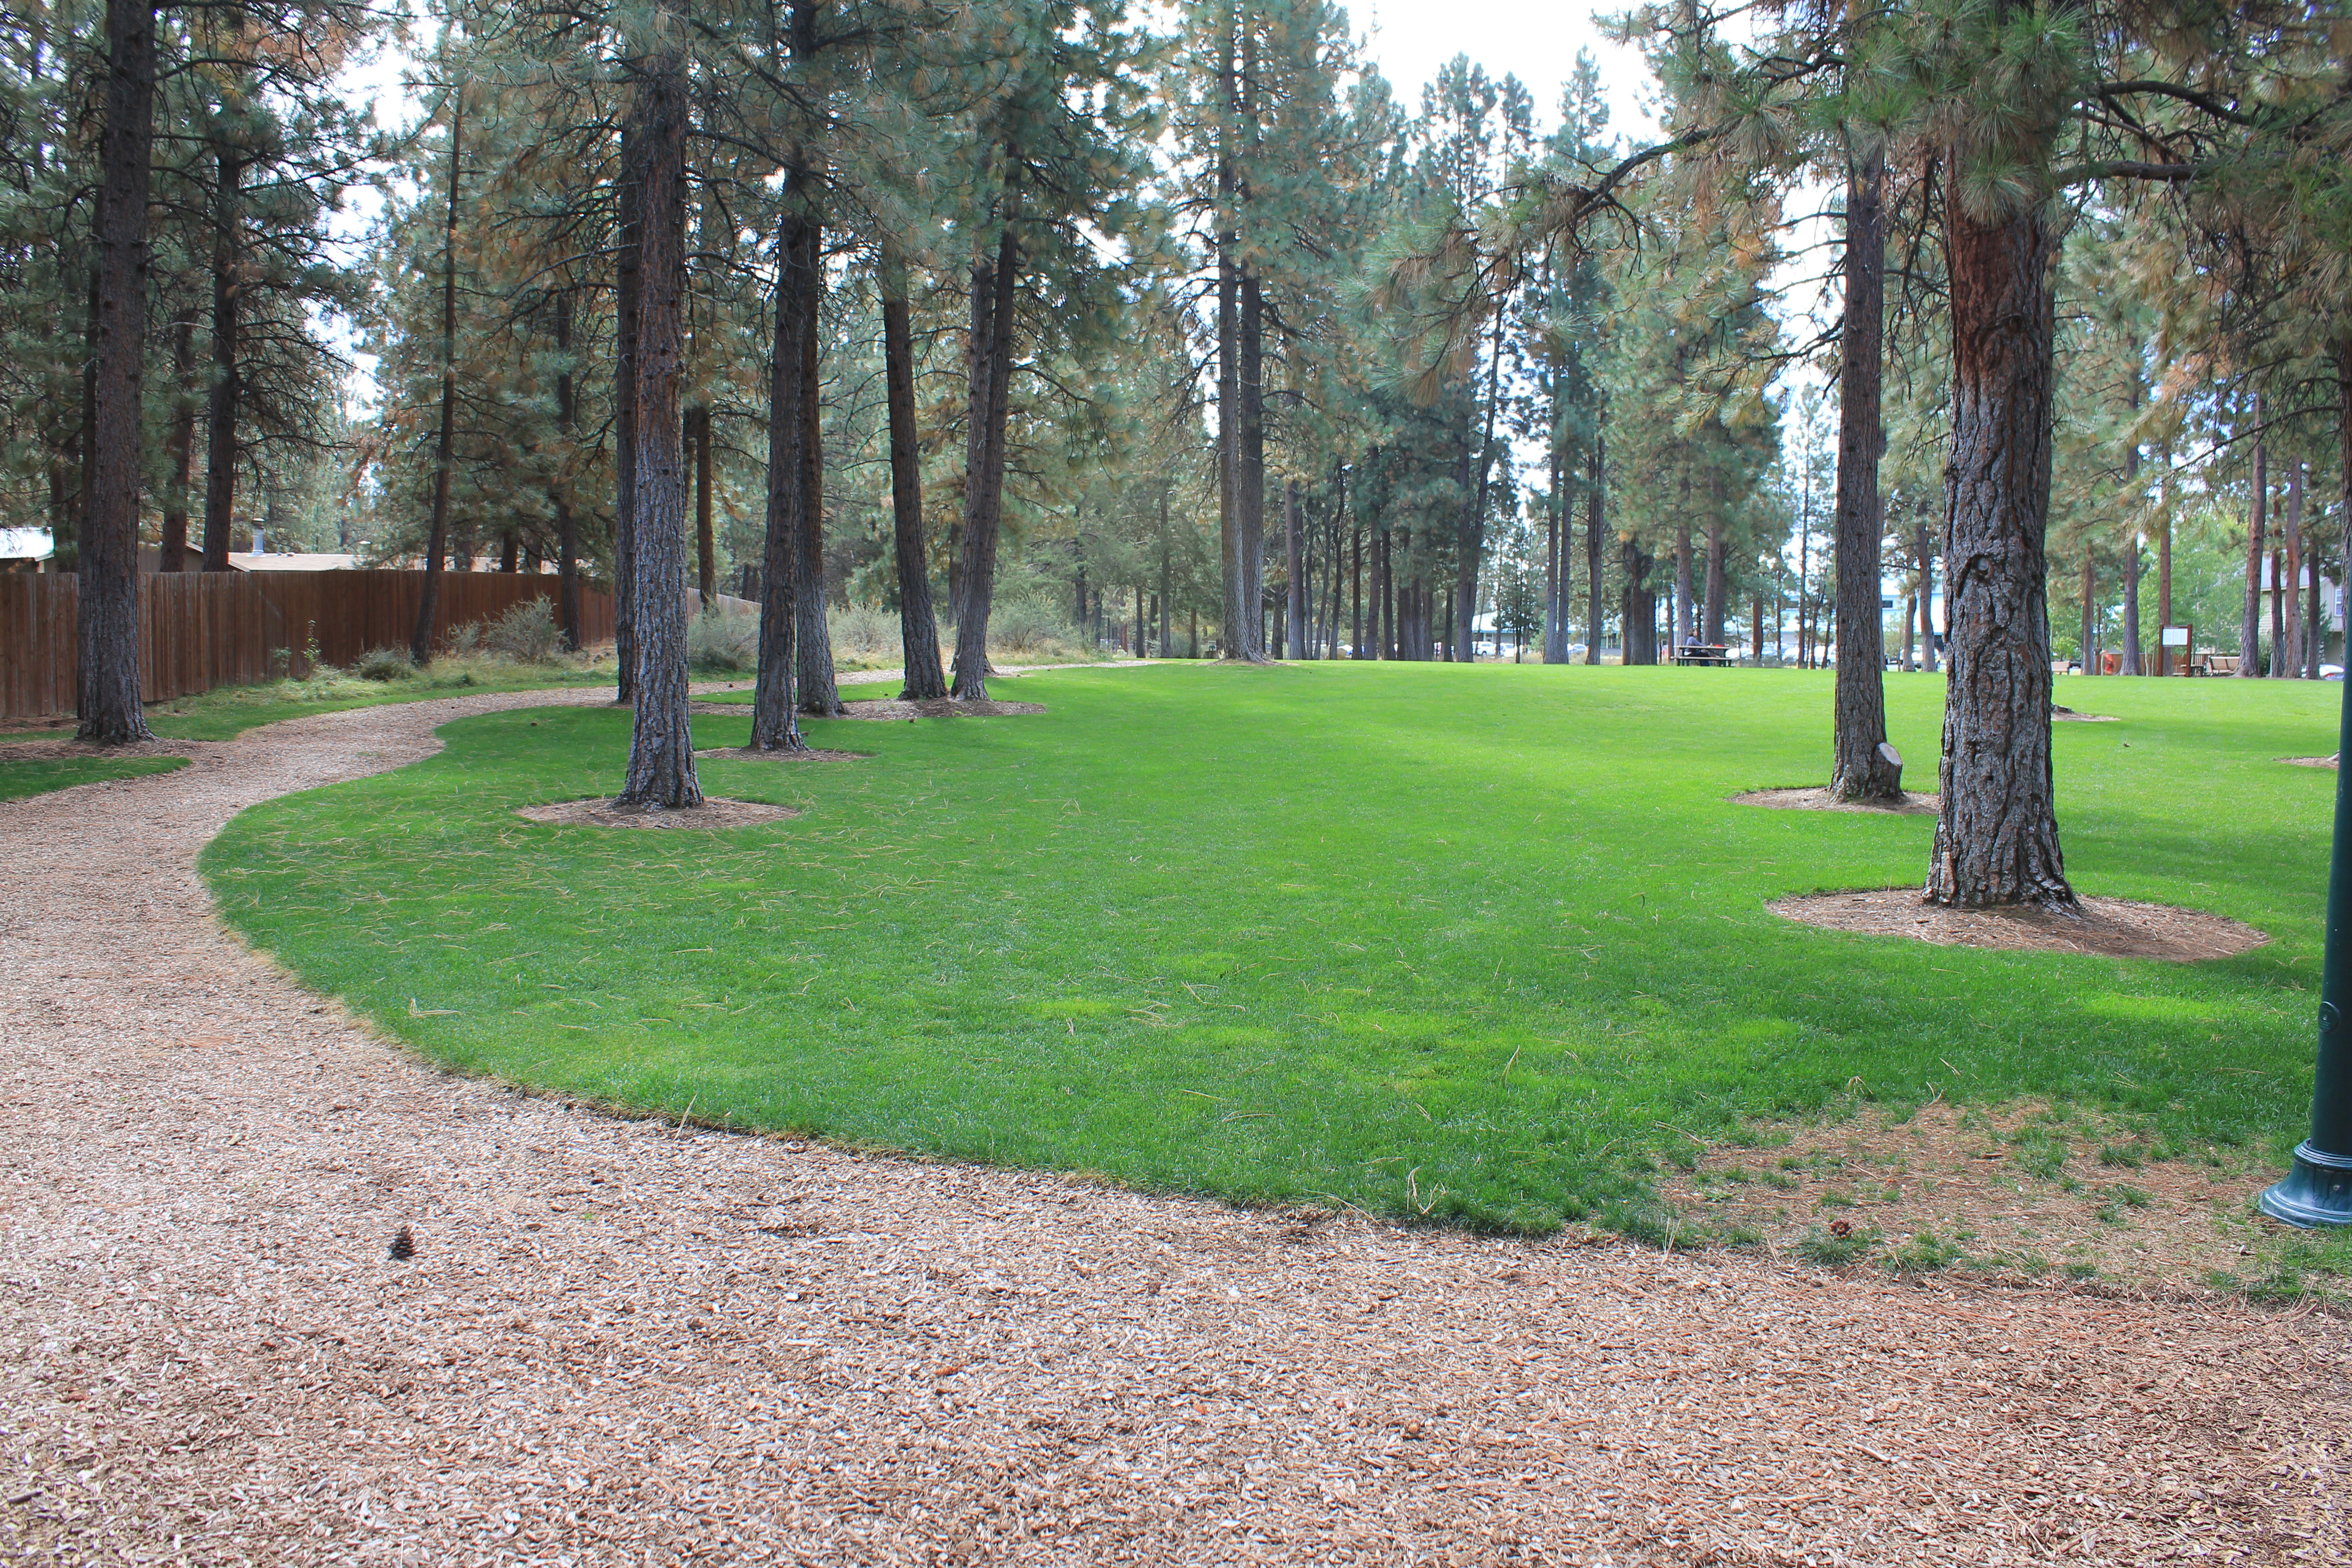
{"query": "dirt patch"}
pixel 2117 927
pixel 1821 800
pixel 891 710
pixel 714 813
pixel 939 708
pixel 2068 716
pixel 2310 762
pixel 807 754
pixel 2016 1192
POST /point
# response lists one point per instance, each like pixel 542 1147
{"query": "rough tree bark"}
pixel 2131 548
pixel 774 724
pixel 2164 659
pixel 706 542
pixel 1249 474
pixel 180 446
pixel 428 604
pixel 1997 831
pixel 627 292
pixel 1864 766
pixel 2289 596
pixel 1470 542
pixel 2311 592
pixel 221 402
pixel 813 640
pixel 107 617
pixel 1295 586
pixel 919 626
pixel 988 387
pixel 1594 532
pixel 567 523
pixel 661 774
pixel 1684 630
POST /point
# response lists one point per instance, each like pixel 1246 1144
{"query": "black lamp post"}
pixel 2318 1189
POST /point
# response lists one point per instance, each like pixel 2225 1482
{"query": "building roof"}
pixel 292 562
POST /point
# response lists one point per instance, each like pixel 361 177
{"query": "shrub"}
pixel 726 644
pixel 527 633
pixel 864 631
pixel 385 664
pixel 1033 624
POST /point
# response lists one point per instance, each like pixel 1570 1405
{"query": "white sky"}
pixel 1412 39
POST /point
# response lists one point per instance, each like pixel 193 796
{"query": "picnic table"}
pixel 1702 653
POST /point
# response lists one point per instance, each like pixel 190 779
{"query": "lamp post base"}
pixel 2316 1191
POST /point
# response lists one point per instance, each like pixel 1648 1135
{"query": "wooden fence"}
pixel 202 629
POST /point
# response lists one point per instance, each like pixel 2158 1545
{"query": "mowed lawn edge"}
pixel 1479 945
pixel 23 776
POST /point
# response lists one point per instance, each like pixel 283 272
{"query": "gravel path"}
pixel 618 1342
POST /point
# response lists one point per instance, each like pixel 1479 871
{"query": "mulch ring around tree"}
pixel 805 754
pixel 1822 800
pixel 598 811
pixel 2114 928
pixel 2310 762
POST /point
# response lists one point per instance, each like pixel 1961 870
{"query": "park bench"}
pixel 2218 664
pixel 1702 653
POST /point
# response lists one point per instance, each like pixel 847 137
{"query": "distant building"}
pixel 25 549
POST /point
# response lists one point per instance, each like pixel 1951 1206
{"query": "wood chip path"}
pixel 622 1344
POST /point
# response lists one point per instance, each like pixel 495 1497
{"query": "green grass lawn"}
pixel 1479 944
pixel 39 775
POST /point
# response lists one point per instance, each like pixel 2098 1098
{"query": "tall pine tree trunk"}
pixel 2250 628
pixel 1234 579
pixel 988 382
pixel 1684 631
pixel 107 617
pixel 180 445
pixel 774 726
pixel 1470 542
pixel 1249 488
pixel 1712 616
pixel 661 774
pixel 1997 831
pixel 428 605
pixel 706 542
pixel 628 291
pixel 1295 575
pixel 2089 641
pixel 221 402
pixel 2311 594
pixel 1924 551
pixel 2165 662
pixel 567 523
pixel 1595 530
pixel 813 640
pixel 919 626
pixel 1863 765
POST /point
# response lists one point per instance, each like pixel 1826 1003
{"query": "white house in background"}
pixel 23 549
pixel 2331 595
